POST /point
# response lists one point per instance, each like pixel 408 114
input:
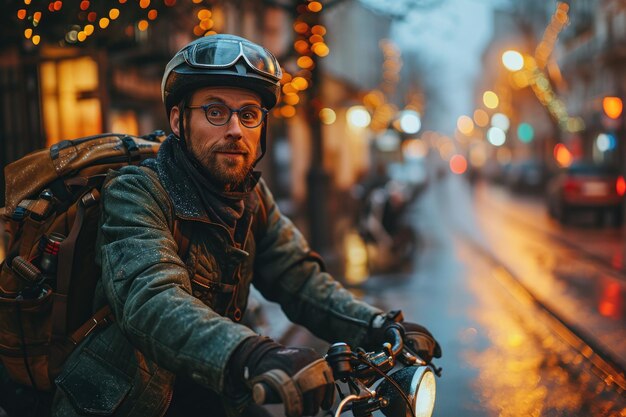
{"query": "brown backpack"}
pixel 48 278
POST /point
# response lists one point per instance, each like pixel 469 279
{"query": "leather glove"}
pixel 313 384
pixel 416 338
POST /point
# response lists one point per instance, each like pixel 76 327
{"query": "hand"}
pixel 419 340
pixel 308 376
pixel 416 338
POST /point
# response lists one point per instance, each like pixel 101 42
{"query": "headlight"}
pixel 418 383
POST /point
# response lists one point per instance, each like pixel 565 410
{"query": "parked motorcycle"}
pixel 390 239
pixel 406 384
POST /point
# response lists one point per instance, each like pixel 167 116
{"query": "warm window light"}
pixel 612 106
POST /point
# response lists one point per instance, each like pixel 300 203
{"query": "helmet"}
pixel 221 60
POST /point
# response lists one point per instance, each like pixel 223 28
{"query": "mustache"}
pixel 230 147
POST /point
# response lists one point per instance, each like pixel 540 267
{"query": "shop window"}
pixel 71 105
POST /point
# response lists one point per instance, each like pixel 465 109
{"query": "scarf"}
pixel 222 207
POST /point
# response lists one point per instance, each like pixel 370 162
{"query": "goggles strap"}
pixel 263 142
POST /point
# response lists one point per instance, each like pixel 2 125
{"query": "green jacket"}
pixel 175 317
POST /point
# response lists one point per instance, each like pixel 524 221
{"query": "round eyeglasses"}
pixel 218 114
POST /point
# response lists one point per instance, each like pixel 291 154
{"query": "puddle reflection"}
pixel 528 372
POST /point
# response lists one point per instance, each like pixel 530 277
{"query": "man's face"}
pixel 229 151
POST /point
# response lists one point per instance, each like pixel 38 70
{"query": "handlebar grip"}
pixel 394 335
pixel 262 393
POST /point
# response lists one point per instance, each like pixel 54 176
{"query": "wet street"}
pixel 504 355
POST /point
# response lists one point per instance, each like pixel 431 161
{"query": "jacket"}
pixel 175 317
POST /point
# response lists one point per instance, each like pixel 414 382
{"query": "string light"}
pixel 308 44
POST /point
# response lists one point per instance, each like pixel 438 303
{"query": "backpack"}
pixel 48 278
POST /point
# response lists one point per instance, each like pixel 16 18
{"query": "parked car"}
pixel 527 176
pixel 587 186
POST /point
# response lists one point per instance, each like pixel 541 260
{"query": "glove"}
pixel 416 338
pixel 310 373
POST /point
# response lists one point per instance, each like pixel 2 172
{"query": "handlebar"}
pixel 345 364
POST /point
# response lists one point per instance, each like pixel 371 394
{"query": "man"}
pixel 176 346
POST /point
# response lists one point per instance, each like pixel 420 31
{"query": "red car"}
pixel 586 186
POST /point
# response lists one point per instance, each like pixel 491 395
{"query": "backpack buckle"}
pixel 91 198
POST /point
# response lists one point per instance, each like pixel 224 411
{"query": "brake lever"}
pixel 408 359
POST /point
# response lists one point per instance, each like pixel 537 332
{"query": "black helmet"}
pixel 221 60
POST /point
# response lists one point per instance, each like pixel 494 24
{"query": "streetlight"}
pixel 513 60
pixel 358 117
pixel 410 122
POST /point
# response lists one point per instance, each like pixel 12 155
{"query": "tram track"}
pixel 605 365
pixel 618 270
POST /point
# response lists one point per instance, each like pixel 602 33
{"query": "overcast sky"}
pixel 448 40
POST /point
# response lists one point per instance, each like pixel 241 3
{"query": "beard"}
pixel 220 167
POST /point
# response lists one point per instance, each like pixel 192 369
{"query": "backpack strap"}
pixel 61 346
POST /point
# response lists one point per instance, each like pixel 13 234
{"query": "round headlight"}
pixel 418 383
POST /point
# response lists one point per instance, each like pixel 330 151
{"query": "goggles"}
pixel 224 53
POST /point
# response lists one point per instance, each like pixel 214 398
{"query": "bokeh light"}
pixel 500 120
pixel 327 116
pixel 465 125
pixel 490 99
pixel 525 132
pixel 410 122
pixel 458 164
pixel 358 116
pixel 481 118
pixel 496 136
pixel 513 60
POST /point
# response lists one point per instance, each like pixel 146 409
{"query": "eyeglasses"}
pixel 218 114
pixel 224 53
